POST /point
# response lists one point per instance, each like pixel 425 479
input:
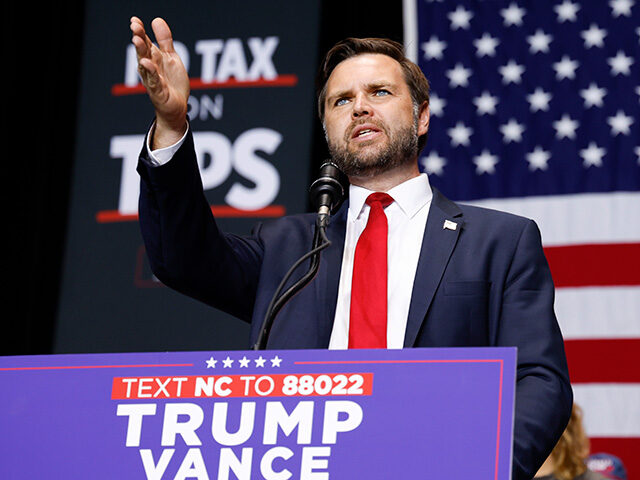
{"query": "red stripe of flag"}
pixel 604 360
pixel 198 84
pixel 595 265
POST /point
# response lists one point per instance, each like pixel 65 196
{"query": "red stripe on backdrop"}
pixel 198 84
pixel 220 211
pixel 624 448
pixel 595 265
pixel 604 360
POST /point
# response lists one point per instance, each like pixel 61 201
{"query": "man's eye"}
pixel 340 101
pixel 381 93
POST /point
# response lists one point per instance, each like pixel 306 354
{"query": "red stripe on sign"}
pixel 603 360
pixel 220 211
pixel 198 84
pixel 595 265
pixel 626 449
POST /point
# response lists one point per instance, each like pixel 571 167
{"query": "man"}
pixel 456 276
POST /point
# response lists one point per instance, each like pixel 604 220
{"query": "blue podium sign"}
pixel 273 415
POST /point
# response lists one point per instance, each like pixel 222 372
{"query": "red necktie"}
pixel 368 320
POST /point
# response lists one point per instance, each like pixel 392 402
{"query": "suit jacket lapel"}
pixel 437 246
pixel 329 274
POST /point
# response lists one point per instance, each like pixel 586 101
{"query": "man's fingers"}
pixel 162 33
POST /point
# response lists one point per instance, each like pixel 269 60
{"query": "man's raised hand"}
pixel 165 79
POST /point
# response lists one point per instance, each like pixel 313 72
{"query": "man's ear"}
pixel 423 119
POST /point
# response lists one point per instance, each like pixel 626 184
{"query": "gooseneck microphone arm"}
pixel 325 193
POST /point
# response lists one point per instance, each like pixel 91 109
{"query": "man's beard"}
pixel 401 148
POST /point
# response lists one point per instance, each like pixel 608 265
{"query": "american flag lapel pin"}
pixel 449 225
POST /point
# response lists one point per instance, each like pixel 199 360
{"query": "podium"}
pixel 273 415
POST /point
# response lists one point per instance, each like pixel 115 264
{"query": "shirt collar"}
pixel 411 196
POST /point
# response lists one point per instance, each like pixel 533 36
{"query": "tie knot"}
pixel 379 197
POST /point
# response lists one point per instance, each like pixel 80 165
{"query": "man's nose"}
pixel 361 106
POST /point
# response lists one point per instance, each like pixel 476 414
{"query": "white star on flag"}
pixel 621 7
pixel 567 11
pixel 538 159
pixel 637 152
pixel 244 362
pixel 512 15
pixel 260 361
pixel 539 100
pixel 620 123
pixel 433 48
pixel 565 127
pixel 594 37
pixel 592 155
pixel 620 64
pixel 565 68
pixel 458 76
pixel 436 105
pixel 460 18
pixel 485 103
pixel 433 163
pixel 512 131
pixel 227 362
pixel 486 45
pixel 276 361
pixel 511 72
pixel 460 134
pixel 539 42
pixel 593 96
pixel 485 162
pixel 211 363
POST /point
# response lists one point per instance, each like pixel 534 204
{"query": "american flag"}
pixel 535 110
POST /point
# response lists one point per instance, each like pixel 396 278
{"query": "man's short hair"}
pixel 351 47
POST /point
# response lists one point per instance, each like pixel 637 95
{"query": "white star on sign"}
pixel 433 164
pixel 567 11
pixel 511 72
pixel 512 15
pixel 227 362
pixel 539 100
pixel 458 76
pixel 565 68
pixel 565 127
pixel 485 103
pixel 620 63
pixel 244 362
pixel 538 159
pixel 460 134
pixel 512 131
pixel 211 363
pixel 276 361
pixel 621 7
pixel 460 18
pixel 433 48
pixel 594 37
pixel 260 361
pixel 485 163
pixel 593 96
pixel 637 152
pixel 539 42
pixel 621 123
pixel 486 45
pixel 592 155
pixel 436 105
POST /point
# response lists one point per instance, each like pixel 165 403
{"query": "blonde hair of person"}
pixel 572 449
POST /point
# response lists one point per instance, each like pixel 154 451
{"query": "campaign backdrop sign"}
pixel 273 415
pixel 252 67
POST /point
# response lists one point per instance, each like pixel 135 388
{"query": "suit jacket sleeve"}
pixel 186 249
pixel 527 320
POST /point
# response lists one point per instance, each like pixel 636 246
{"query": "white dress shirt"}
pixel 406 217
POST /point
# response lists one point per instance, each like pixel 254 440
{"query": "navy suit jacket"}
pixel 486 283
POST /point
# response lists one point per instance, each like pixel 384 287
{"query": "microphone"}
pixel 327 191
